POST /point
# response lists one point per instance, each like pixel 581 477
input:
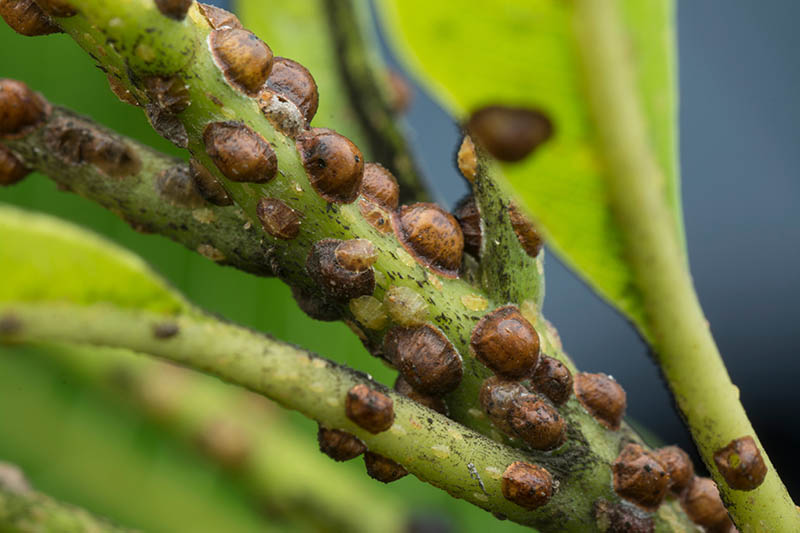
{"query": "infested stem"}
pixel 680 335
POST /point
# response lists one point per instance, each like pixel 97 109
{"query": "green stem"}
pixel 681 337
pixel 24 510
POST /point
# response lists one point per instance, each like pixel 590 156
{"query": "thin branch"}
pixel 681 337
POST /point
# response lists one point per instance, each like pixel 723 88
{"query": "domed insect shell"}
pixel 369 409
pixel 12 170
pixel 678 465
pixel 170 93
pixel 436 403
pixel 278 219
pixel 506 342
pixel 208 186
pixel 244 59
pixel 536 422
pixel 335 280
pixel 174 9
pixel 380 187
pixel 316 306
pixel 432 236
pixel 468 215
pixel 702 503
pixel 496 398
pixel 333 164
pixel 339 445
pixel 218 18
pixel 382 468
pixel 240 153
pixel 176 186
pixel 21 109
pixel 552 378
pixel 57 8
pixel 509 133
pixel 602 397
pixel 27 18
pixel 294 82
pixel 741 464
pixel 425 358
pixel 529 486
pixel 528 237
pixel 639 477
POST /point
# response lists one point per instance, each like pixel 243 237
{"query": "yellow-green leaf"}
pixel 526 53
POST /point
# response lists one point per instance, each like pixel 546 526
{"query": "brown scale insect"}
pixel 12 170
pixel 77 142
pixel 377 217
pixel 339 445
pixel 621 518
pixel 122 92
pixel 170 93
pixel 702 503
pixel 639 477
pixel 176 186
pixel 468 216
pixel 332 277
pixel 167 125
pixel 506 342
pixel 316 306
pixel 165 330
pixel 334 165
pixel 293 81
pixel 369 409
pixel 282 113
pixel 20 108
pixel 529 486
pixel 678 465
pixel 379 186
pixel 27 18
pixel 240 153
pixel 57 8
pixel 432 402
pixel 218 18
pixel 603 397
pixel 243 58
pixel 356 255
pixel 426 359
pixel 552 378
pixel 174 9
pixel 741 464
pixel 399 91
pixel 509 133
pixel 207 185
pixel 382 468
pixel 278 219
pixel 536 423
pixel 467 159
pixel 527 235
pixel 431 235
pixel 496 397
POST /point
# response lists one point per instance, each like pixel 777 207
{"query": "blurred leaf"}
pixel 44 259
pixel 523 53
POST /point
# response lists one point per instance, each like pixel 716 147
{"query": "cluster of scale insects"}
pixel 521 399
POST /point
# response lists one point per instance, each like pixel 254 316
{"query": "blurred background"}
pixel 739 77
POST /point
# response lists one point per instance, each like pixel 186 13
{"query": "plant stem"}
pixel 24 510
pixel 681 337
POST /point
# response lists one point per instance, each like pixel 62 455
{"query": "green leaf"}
pixel 43 258
pixel 525 53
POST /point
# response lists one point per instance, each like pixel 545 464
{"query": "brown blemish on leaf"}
pixel 426 359
pixel 432 402
pixel 339 445
pixel 509 133
pixel 553 379
pixel 165 330
pixel 335 280
pixel 678 465
pixel 468 216
pixel 467 159
pixel 603 397
pixel 369 409
pixel 176 186
pixel 27 18
pixel 506 342
pixel 240 153
pixel 174 9
pixel 334 165
pixel 207 185
pixel 218 18
pixel 57 8
pixel 639 477
pixel 278 219
pixel 537 423
pixel 382 468
pixel 380 186
pixel 294 81
pixel 702 503
pixel 21 109
pixel 243 58
pixel 356 255
pixel 77 142
pixel 431 235
pixel 375 215
pixel 529 486
pixel 12 170
pixel 741 464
